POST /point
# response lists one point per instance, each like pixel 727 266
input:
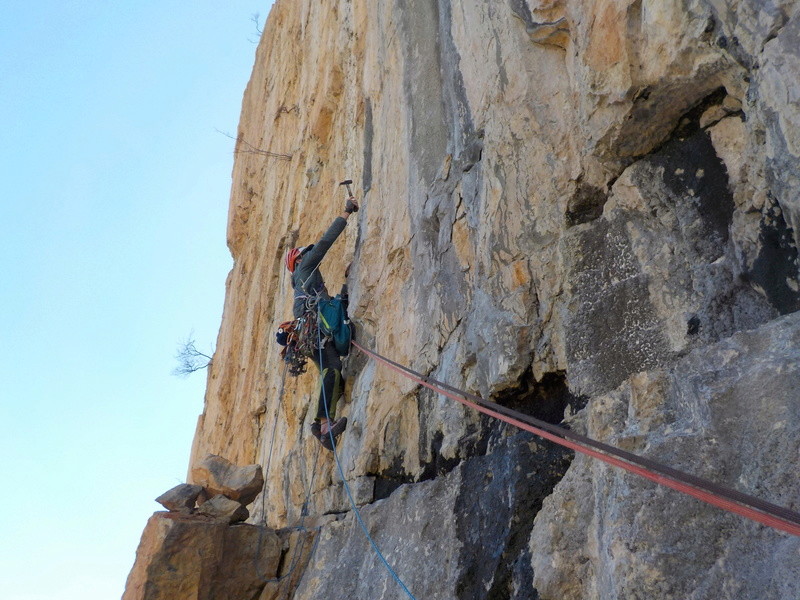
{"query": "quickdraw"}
pixel 307 339
pixel 296 362
pixel 300 338
pixel 288 337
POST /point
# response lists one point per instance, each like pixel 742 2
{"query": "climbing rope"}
pixel 272 440
pixel 347 487
pixel 728 499
pixel 298 551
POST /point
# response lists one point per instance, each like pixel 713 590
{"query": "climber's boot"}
pixel 336 430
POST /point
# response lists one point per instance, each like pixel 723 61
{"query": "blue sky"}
pixel 114 187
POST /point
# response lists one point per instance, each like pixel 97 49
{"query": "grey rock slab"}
pixel 181 498
pixel 461 535
pixel 777 89
pixel 727 412
pixel 658 273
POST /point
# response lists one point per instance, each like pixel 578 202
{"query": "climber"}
pixel 307 282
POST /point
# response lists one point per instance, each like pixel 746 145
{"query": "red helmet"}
pixel 292 257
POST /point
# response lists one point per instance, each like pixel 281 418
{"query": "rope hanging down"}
pixel 300 547
pixel 728 499
pixel 386 564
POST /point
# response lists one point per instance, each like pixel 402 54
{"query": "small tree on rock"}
pixel 189 358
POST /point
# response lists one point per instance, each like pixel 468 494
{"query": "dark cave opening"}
pixel 391 478
pixel 546 399
pixel 585 205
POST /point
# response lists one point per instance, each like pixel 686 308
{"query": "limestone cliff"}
pixel 570 207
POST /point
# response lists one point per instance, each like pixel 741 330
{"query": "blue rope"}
pixel 344 481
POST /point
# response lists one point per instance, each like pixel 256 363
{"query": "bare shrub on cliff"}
pixel 259 31
pixel 189 358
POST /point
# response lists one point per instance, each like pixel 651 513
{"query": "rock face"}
pixel 459 538
pixel 730 412
pixel 193 557
pixel 567 206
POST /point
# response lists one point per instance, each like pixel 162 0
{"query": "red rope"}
pixel 789 522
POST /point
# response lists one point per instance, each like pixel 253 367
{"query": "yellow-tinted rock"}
pixel 551 191
pixel 183 557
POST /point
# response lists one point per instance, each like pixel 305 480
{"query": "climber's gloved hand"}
pixel 351 205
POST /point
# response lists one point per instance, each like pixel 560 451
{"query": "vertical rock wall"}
pixel 562 201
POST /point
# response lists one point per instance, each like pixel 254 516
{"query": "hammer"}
pixel 347 183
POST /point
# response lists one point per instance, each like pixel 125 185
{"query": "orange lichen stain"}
pixel 520 275
pixel 322 124
pixel 606 42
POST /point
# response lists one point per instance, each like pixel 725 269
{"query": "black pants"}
pixel 331 381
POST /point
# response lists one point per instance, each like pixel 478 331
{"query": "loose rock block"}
pixel 220 507
pixel 219 476
pixel 181 498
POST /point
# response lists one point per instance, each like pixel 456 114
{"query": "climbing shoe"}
pixel 336 429
pixel 316 427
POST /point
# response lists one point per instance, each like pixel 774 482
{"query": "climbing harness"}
pixel 298 337
pixel 307 343
pixel 728 499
